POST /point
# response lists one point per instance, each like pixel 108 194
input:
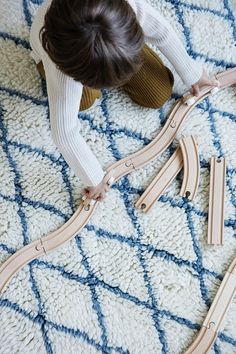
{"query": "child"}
pixel 81 46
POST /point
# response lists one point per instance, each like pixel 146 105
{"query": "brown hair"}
pixel 96 42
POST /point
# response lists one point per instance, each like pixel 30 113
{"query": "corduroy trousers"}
pixel 150 87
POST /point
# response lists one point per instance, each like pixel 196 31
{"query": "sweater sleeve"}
pixel 157 30
pixel 64 94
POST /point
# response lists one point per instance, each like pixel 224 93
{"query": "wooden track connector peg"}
pixel 163 179
pixel 189 148
pixel 216 201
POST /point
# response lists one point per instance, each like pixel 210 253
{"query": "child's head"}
pixel 96 42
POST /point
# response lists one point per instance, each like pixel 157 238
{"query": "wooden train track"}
pixel 218 310
pixel 216 201
pixel 74 225
pixel 163 179
pixel 186 156
pixel 191 177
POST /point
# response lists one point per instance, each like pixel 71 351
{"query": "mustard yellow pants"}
pixel 150 87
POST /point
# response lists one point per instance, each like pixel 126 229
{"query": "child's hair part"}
pixel 96 42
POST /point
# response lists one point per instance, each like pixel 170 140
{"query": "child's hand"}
pixel 98 192
pixel 203 81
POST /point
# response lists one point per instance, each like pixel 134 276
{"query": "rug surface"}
pixel 103 292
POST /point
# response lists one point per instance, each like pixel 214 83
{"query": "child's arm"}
pixel 64 95
pixel 158 31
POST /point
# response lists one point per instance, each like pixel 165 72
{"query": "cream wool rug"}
pixel 102 292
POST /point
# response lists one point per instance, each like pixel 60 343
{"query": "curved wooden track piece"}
pixel 163 179
pixel 191 177
pixel 216 201
pixel 120 169
pixel 45 245
pixel 218 310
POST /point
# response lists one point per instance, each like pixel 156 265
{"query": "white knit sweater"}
pixel 64 93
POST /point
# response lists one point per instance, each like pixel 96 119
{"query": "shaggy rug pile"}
pixel 103 292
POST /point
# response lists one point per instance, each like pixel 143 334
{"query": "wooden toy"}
pixel 163 179
pixel 86 209
pixel 186 156
pixel 191 177
pixel 218 310
pixel 216 201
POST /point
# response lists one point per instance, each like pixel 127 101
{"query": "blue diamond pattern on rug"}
pixel 103 292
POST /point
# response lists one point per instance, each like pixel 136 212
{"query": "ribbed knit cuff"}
pixel 34 56
pixel 193 73
pixel 94 179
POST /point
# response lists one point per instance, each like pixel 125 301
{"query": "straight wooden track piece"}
pixel 191 177
pixel 213 322
pixel 159 184
pixel 119 169
pixel 216 201
pixel 227 77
